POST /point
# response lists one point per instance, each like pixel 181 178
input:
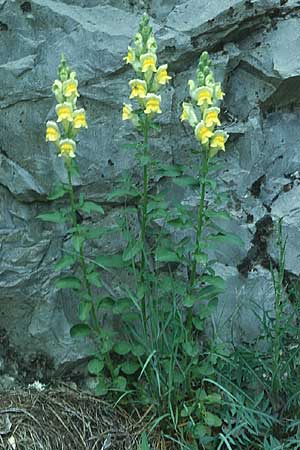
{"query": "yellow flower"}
pixel 162 76
pixel 70 88
pixel 67 148
pixel 130 56
pixel 218 93
pixel 79 119
pixel 151 44
pixel 152 104
pixel 203 133
pixel 211 117
pixel 138 88
pixel 127 112
pixel 218 140
pixel 203 95
pixel 148 61
pixel 192 87
pixel 52 131
pixel 64 112
pixel 188 114
pixel 57 91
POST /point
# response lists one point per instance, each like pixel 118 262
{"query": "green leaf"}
pixel 80 330
pixel 217 214
pixel 122 348
pixel 170 171
pixel 212 420
pixel 123 192
pixel 144 159
pixel 203 370
pixel 144 442
pixel 59 191
pixel 110 261
pixel 200 431
pixel 132 250
pixel 77 241
pixel 209 292
pixel 68 283
pixel 105 303
pixel 120 383
pixel 101 389
pixel 84 310
pixel 214 280
pixel 122 305
pixel 95 366
pixel 138 350
pixel 207 310
pixel 185 181
pixel 55 217
pixel 189 301
pixel 198 323
pixel 213 398
pixel 95 279
pixel 64 262
pixel 165 255
pixel 89 207
pixel 130 367
pixel 190 349
pixel 201 258
pixel 228 238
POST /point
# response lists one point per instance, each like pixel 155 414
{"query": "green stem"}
pixel 83 265
pixel 144 220
pixel 201 210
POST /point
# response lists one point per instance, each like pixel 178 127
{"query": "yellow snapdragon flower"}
pixel 130 57
pixel 203 95
pixel 67 148
pixel 161 75
pixel 79 119
pixel 203 133
pixel 70 88
pixel 218 140
pixel 127 112
pixel 211 117
pixel 52 131
pixel 218 93
pixel 148 62
pixel 138 88
pixel 152 104
pixel 188 114
pixel 64 111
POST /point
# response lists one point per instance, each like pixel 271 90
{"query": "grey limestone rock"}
pixel 255 48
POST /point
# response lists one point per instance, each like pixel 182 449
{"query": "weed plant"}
pixel 156 357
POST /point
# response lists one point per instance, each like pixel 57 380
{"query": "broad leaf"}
pixel 110 261
pixel 80 330
pixel 68 283
pixel 84 310
pixel 130 367
pixel 212 420
pixel 122 348
pixel 90 207
pixel 95 366
pixel 185 181
pixel 65 262
pixel 59 191
pixel 166 255
pixel 55 217
pixel 228 238
pixel 132 250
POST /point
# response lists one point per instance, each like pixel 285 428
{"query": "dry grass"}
pixel 64 419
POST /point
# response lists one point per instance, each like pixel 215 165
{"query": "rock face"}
pixel 255 45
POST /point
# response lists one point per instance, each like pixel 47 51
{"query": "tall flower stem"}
pixel 200 221
pixel 96 326
pixel 144 218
